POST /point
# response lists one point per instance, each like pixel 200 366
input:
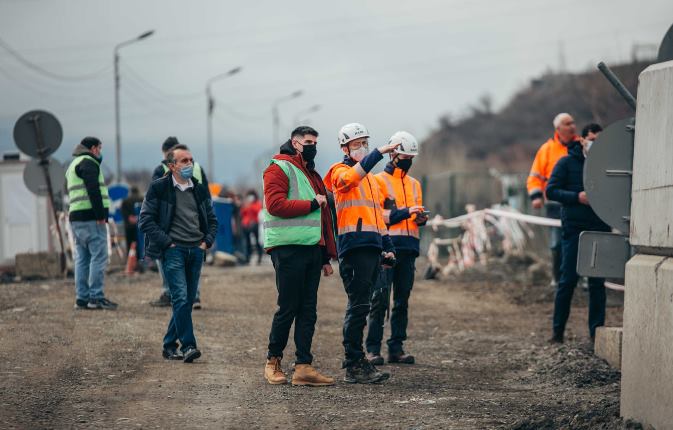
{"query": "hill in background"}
pixel 508 139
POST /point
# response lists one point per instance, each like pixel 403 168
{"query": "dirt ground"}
pixel 479 340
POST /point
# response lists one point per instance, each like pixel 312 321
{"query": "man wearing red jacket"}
pixel 299 236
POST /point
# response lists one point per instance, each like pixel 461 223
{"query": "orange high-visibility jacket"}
pixel 399 192
pixel 545 160
pixel 357 199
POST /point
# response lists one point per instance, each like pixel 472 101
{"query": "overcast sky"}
pixel 391 65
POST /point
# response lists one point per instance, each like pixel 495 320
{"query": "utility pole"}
pixel 118 146
pixel 275 114
pixel 211 108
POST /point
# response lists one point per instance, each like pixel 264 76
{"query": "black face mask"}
pixel 309 152
pixel 404 164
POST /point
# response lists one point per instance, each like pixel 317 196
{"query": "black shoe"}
pixel 556 339
pixel 164 301
pixel 197 304
pixel 375 359
pixel 191 354
pixel 363 372
pixel 81 304
pixel 102 304
pixel 171 354
pixel 401 358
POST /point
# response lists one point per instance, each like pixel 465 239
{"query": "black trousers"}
pixel 359 269
pixel 567 283
pixel 401 280
pixel 250 233
pixel 298 271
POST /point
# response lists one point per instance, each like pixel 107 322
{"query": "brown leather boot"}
pixel 273 372
pixel 305 374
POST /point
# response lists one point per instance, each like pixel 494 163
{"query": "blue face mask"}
pixel 186 172
pixel 100 157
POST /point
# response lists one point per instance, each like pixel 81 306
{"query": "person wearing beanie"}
pixel 88 209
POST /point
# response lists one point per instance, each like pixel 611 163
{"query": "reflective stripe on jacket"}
pixel 399 192
pixel 77 194
pixel 301 230
pixel 358 205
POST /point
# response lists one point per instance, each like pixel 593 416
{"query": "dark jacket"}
pixel 158 211
pixel 89 171
pixel 565 185
pixel 159 172
pixel 276 187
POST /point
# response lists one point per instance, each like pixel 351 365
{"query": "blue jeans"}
pixel 567 283
pixel 164 284
pixel 90 258
pixel 182 269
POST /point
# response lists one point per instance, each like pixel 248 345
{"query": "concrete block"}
pixel 652 187
pixel 42 265
pixel 647 350
pixel 608 345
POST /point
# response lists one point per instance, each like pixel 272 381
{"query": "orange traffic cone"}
pixel 132 260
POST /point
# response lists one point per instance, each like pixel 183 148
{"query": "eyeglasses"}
pixel 358 145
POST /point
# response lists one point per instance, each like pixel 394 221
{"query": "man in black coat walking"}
pixel 566 186
pixel 179 225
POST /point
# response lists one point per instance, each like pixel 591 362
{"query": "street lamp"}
pixel 211 107
pixel 302 113
pixel 275 115
pixel 118 146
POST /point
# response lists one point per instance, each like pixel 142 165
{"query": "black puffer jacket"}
pixel 565 185
pixel 158 211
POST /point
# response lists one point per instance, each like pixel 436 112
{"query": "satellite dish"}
pixel 38 133
pixel 608 172
pixel 666 47
pixel 33 176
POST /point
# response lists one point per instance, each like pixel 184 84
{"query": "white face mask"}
pixel 359 154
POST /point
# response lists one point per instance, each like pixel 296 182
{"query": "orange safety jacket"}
pixel 545 160
pixel 399 192
pixel 357 199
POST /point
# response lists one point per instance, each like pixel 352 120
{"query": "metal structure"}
pixel 666 47
pixel 36 180
pixel 608 173
pixel 38 133
pixel 211 108
pixel 118 146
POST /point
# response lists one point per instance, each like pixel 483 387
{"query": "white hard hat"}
pixel 352 131
pixel 408 143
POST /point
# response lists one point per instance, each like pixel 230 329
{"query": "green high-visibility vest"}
pixel 198 172
pixel 301 230
pixel 79 198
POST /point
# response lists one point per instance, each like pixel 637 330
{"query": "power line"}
pixel 44 72
pixel 182 96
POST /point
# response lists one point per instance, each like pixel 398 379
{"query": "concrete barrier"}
pixel 608 345
pixel 647 351
pixel 38 265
